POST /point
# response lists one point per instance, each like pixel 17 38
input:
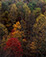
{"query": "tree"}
pixel 0 8
pixel 32 6
pixel 0 5
pixel 39 33
pixel 37 12
pixel 17 32
pixel 3 37
pixel 27 11
pixel 13 48
pixel 3 30
pixel 5 6
pixel 27 19
pixel 45 13
pixel 20 10
pixel 13 13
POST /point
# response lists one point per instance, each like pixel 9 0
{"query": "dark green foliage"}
pixel 5 6
pixel 32 6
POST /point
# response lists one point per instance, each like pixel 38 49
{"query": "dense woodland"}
pixel 22 28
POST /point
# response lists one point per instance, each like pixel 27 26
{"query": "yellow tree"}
pixel 27 19
pixel 27 11
pixel 13 13
pixel 39 30
pixel 45 13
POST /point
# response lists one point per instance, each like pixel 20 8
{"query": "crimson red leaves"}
pixel 14 46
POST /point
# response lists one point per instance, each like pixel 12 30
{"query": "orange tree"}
pixel 17 32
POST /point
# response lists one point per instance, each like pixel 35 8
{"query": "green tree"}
pixel 32 6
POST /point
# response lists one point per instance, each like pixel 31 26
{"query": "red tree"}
pixel 14 46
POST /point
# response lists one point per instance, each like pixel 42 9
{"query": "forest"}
pixel 22 28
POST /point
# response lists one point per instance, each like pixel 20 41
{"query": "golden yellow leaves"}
pixel 45 13
pixel 24 40
pixel 0 5
pixel 40 22
pixel 8 25
pixel 32 45
pixel 17 34
pixel 17 25
pixel 40 18
pixel 23 23
pixel 29 11
pixel 26 8
pixel 13 12
pixel 3 28
pixel 17 30
pixel 3 35
pixel 35 25
pixel 13 7
pixel 39 31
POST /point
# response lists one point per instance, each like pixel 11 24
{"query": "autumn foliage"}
pixel 23 26
pixel 14 46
